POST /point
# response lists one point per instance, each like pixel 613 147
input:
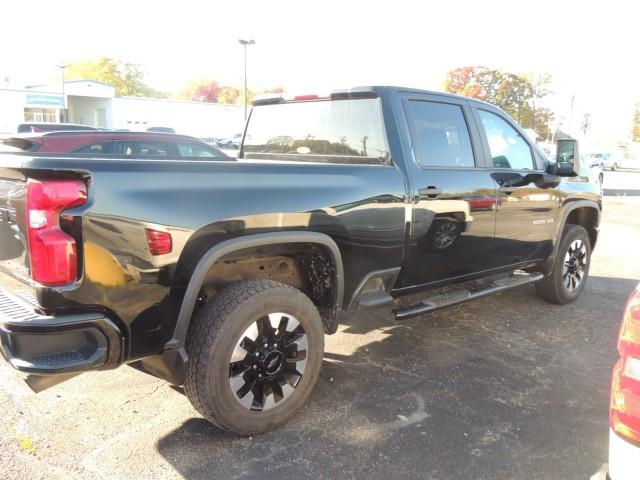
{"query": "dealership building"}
pixel 96 104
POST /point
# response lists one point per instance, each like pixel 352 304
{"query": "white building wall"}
pixel 84 110
pixel 190 118
pixel 89 88
pixel 12 103
pixel 85 99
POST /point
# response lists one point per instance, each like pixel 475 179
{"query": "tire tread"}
pixel 549 288
pixel 205 328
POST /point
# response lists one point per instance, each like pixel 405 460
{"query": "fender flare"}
pixel 567 209
pixel 240 243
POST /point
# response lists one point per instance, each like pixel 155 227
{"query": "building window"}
pixel 43 115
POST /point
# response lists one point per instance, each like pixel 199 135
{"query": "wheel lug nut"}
pixel 275 345
pixel 254 367
pixel 259 375
pixel 266 345
pixel 257 354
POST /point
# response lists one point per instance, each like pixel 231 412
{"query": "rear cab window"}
pixel 327 131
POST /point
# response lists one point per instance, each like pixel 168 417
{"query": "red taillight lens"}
pixel 625 388
pixel 53 253
pixel 159 242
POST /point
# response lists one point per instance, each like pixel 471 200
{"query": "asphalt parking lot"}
pixel 506 387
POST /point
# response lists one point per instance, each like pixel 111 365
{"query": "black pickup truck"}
pixel 224 275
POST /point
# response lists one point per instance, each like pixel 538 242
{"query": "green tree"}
pixel 539 89
pixel 518 95
pixel 250 96
pixel 635 131
pixel 539 120
pixel 127 78
pixel 506 90
pixel 229 95
pixel 513 94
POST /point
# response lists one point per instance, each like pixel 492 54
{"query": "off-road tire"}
pixel 552 288
pixel 213 334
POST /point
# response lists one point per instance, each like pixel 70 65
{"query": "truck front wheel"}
pixel 255 351
pixel 570 267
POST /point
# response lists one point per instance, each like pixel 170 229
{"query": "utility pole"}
pixel 244 43
pixel 62 66
pixel 573 99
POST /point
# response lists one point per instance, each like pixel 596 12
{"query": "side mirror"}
pixel 566 157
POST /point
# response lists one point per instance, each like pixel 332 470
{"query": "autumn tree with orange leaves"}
pixel 518 95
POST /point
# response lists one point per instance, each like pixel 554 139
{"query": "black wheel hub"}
pixel 268 361
pixel 575 263
pixel 446 235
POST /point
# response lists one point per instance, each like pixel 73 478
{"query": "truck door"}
pixel 526 213
pixel 454 197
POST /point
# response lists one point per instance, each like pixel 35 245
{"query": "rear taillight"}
pixel 53 252
pixel 159 242
pixel 625 389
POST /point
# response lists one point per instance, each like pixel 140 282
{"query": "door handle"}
pixel 429 192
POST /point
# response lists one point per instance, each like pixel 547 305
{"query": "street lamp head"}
pixel 242 41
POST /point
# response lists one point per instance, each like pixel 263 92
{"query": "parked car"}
pixel 114 143
pixel 591 170
pixel 34 127
pixel 605 160
pixel 224 276
pixel 230 142
pixel 624 436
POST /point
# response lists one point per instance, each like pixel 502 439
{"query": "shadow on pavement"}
pixel 506 387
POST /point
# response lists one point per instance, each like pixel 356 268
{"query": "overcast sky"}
pixel 590 48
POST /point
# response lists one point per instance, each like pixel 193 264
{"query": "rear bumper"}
pixel 56 345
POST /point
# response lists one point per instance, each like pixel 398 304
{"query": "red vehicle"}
pixel 134 144
pixel 624 443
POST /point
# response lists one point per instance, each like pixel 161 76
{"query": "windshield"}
pixel 337 131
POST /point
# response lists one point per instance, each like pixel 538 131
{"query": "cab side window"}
pixel 188 149
pixel 508 148
pixel 442 134
pixel 136 148
pixel 96 148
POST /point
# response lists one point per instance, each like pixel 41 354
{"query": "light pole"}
pixel 244 43
pixel 62 66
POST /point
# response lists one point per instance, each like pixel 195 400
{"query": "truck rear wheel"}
pixel 255 351
pixel 570 268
